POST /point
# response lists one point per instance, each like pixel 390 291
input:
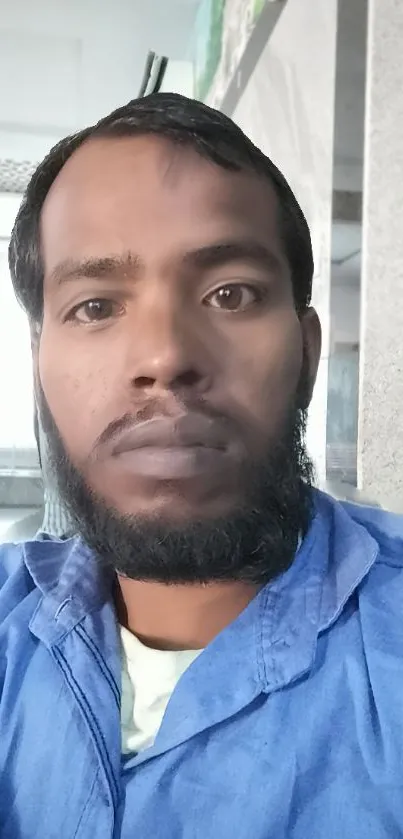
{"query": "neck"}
pixel 182 617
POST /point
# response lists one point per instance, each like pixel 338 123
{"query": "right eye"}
pixel 95 310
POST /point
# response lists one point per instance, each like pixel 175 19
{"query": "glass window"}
pixel 17 441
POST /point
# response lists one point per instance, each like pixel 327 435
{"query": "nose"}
pixel 166 376
pixel 169 357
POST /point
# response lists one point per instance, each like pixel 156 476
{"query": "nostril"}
pixel 189 378
pixel 143 382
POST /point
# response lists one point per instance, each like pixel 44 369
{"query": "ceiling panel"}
pixel 40 79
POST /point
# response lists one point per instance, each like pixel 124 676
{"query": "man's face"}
pixel 171 355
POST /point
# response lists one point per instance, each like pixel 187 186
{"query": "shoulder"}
pixel 11 561
pixel 380 595
pixel 365 585
pixel 28 571
pixel 362 529
pixel 22 565
pixel 379 600
pixel 386 529
pixel 15 580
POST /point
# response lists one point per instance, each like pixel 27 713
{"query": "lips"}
pixel 189 430
pixel 164 449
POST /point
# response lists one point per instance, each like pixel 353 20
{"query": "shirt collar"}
pixel 72 582
pixel 282 623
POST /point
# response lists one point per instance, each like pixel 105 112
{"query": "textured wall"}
pixel 380 455
pixel 288 110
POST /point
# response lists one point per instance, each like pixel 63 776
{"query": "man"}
pixel 219 654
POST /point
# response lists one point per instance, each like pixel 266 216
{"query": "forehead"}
pixel 133 194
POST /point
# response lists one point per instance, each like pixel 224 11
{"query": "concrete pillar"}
pixel 380 444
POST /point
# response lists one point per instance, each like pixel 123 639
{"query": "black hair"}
pixel 185 122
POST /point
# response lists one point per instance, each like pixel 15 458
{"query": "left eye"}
pixel 233 298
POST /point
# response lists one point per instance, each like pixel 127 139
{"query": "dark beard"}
pixel 254 544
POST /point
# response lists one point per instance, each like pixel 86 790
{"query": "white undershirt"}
pixel 149 678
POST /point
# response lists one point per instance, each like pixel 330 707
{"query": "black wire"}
pixel 160 75
pixel 147 73
pixel 154 73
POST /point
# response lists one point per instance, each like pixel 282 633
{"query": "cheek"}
pixel 76 395
pixel 265 372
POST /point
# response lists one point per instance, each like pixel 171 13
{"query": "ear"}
pixel 312 339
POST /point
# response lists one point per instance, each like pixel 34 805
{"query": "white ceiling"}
pixel 65 64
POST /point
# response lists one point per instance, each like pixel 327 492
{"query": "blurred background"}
pixel 317 85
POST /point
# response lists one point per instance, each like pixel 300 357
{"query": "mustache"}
pixel 156 409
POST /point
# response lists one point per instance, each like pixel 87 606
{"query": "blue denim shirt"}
pixel 288 726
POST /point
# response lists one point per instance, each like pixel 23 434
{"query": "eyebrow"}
pixel 237 250
pixel 102 268
pixel 117 267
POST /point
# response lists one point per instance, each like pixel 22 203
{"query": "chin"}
pixel 176 509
